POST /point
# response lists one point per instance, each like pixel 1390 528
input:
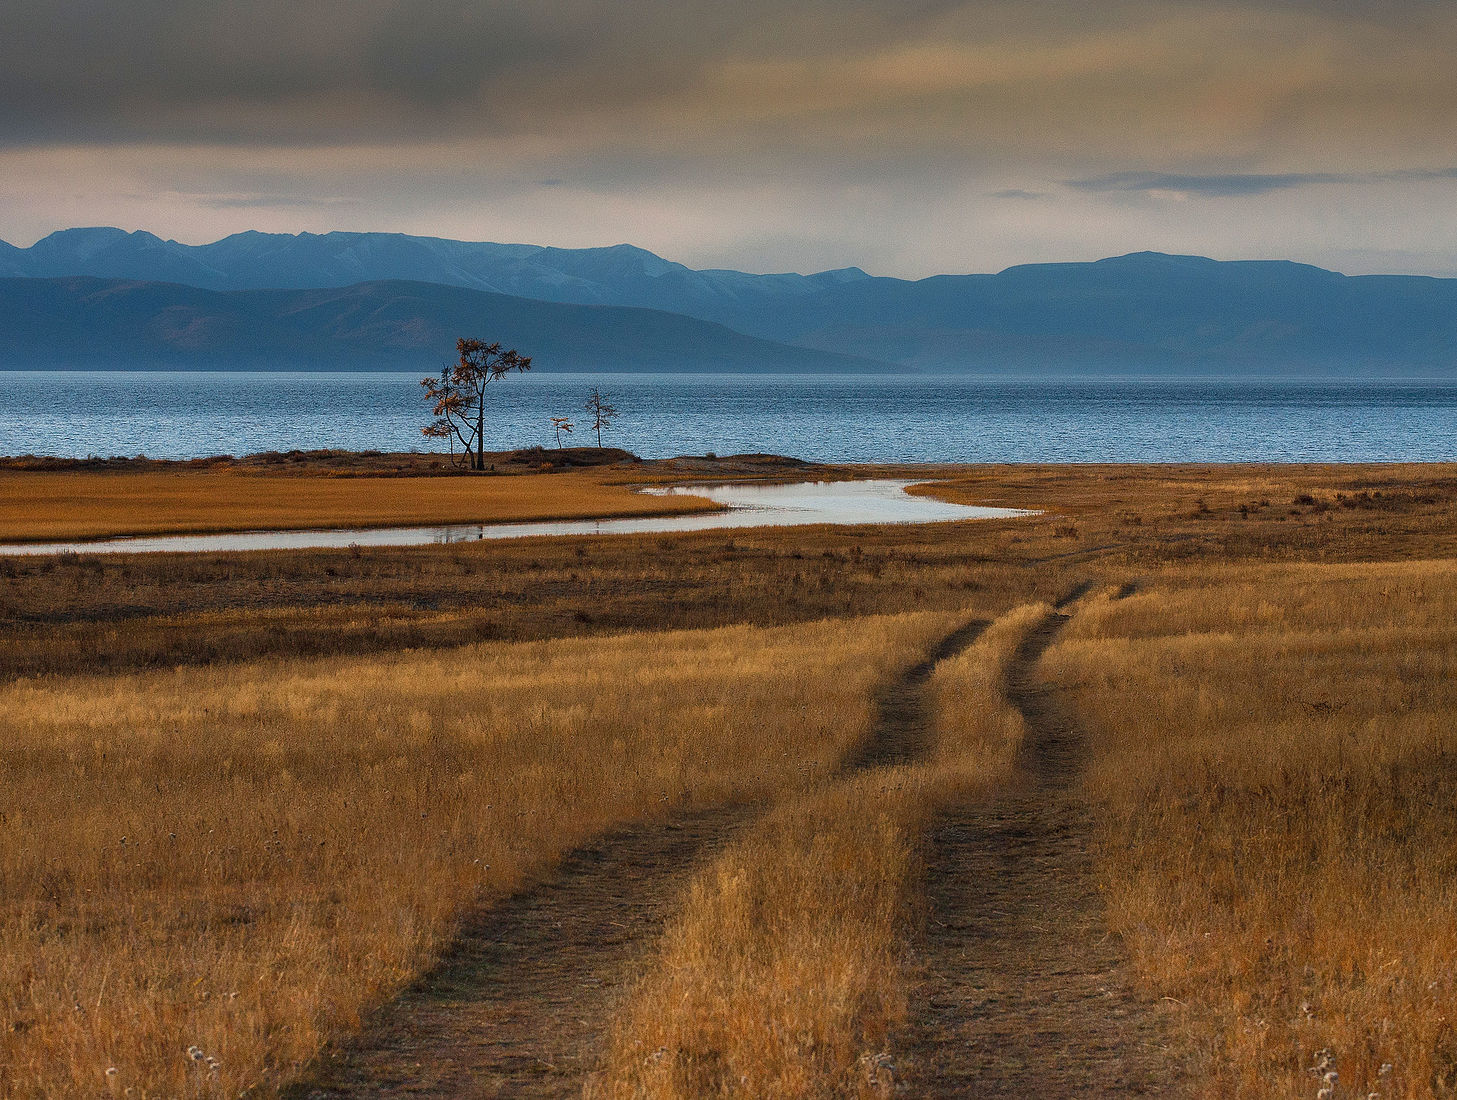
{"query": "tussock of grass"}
pixel 978 732
pixel 786 972
pixel 1275 774
pixel 779 977
pixel 244 859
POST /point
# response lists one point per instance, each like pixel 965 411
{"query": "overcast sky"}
pixel 907 137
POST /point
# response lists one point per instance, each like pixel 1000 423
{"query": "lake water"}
pixel 860 418
pixel 881 500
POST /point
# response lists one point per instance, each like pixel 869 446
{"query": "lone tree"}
pixel 602 412
pixel 561 424
pixel 460 395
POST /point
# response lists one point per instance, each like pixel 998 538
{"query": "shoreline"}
pixel 95 501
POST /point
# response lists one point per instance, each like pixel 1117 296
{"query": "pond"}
pixel 881 500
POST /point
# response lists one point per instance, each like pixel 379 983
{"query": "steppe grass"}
pixel 98 612
pixel 207 872
pixel 1275 753
pixel 786 972
pixel 52 506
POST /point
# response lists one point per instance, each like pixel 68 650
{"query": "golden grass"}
pixel 244 859
pixel 978 732
pixel 1275 756
pixel 785 974
pixel 91 611
pixel 42 506
pixel 319 942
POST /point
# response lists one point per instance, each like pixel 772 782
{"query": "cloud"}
pixel 984 76
pixel 718 132
pixel 1244 184
pixel 272 202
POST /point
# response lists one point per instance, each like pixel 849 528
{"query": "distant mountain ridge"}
pixel 616 275
pixel 1145 312
pixel 84 322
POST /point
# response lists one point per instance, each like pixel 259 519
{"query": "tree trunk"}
pixel 481 432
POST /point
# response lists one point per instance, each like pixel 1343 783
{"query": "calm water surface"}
pixel 851 418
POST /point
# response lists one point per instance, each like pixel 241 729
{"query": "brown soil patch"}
pixel 1025 993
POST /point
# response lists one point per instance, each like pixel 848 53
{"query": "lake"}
pixel 858 418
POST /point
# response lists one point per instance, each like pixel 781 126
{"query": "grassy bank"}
pixel 1276 751
pixel 50 506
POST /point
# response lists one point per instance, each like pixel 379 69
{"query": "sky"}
pixel 906 137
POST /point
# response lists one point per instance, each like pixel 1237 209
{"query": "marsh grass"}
pixel 89 612
pixel 1315 766
pixel 48 506
pixel 92 612
pixel 243 860
pixel 786 972
pixel 1275 756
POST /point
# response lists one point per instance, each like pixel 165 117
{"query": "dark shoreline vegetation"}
pixel 256 797
pixel 340 463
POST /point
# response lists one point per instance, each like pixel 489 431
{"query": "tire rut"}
pixel 520 1004
pixel 903 729
pixel 517 1005
pixel 1025 993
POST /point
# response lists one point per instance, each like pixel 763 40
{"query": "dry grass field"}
pixel 1276 749
pixel 244 859
pixel 53 506
pixel 785 973
pixel 249 796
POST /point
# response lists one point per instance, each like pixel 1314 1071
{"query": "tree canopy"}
pixel 459 394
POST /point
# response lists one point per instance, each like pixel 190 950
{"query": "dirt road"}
pixel 1025 993
pixel 521 1003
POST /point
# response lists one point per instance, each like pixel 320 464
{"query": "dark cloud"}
pixel 276 70
pixel 1231 185
pixel 721 131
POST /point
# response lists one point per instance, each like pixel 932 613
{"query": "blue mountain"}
pixel 1141 312
pixel 85 322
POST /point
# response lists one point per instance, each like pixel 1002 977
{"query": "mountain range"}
pixel 384 299
pixel 85 322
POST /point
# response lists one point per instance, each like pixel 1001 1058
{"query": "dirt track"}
pixel 1025 993
pixel 517 1006
pixel 520 1004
